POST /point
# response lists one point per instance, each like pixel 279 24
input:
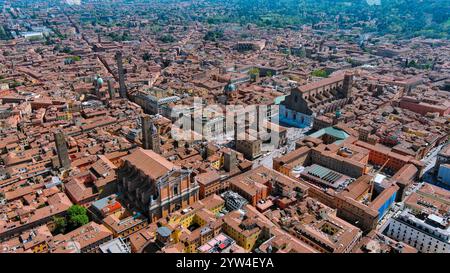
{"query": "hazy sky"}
pixel 73 2
pixel 78 2
pixel 373 2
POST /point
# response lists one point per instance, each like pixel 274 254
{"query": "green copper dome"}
pixel 230 87
pixel 99 81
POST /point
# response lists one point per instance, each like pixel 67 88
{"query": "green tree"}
pixel 213 35
pixel 167 38
pixel 412 63
pixel 4 34
pixel 49 41
pixel 15 84
pixel 76 58
pixel 76 210
pixel 320 73
pixel 60 224
pixel 302 53
pixel 146 57
pixel 67 50
pixel 254 73
pixel 35 38
pixel 78 220
pixel 77 216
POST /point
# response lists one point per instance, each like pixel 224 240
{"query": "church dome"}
pixel 99 81
pixel 230 87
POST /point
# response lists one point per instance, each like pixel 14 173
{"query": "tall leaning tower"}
pixel 61 149
pixel 122 86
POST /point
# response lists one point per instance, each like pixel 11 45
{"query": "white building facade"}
pixel 427 236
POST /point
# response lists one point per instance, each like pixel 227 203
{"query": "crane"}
pixel 377 172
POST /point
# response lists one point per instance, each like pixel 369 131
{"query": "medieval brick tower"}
pixel 61 148
pixel 122 86
pixel 347 85
pixel 150 136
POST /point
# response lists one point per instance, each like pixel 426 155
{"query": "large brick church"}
pixel 324 96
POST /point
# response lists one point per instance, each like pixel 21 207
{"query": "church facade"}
pixel 307 101
pixel 155 186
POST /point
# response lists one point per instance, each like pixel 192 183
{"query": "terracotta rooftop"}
pixel 149 162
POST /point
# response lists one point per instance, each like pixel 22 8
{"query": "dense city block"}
pixel 201 126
